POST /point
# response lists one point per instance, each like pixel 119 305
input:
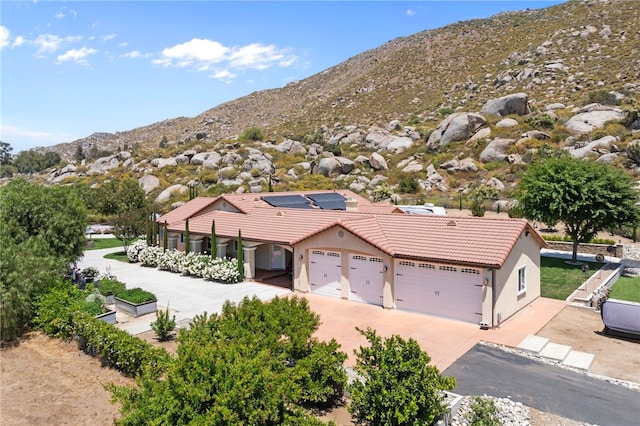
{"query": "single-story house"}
pixel 339 244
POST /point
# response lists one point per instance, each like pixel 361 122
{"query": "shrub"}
pixel 398 385
pixel 55 307
pixel 252 134
pixel 136 295
pixel 483 412
pixel 109 286
pixel 163 325
pixel 118 348
pixel 542 120
pixel 408 185
pixel 602 97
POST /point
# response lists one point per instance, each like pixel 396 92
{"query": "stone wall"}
pixel 603 249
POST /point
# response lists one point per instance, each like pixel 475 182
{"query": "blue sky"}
pixel 69 69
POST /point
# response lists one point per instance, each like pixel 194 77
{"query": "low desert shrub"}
pixel 163 325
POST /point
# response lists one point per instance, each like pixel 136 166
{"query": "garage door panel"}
pixel 441 290
pixel 325 273
pixel 366 279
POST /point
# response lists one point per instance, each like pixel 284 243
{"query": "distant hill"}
pixel 572 54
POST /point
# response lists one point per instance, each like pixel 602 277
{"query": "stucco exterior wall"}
pixel 526 252
pixel 220 205
pixel 339 240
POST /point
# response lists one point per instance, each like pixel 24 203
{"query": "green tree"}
pixel 187 237
pixel 240 256
pixel 398 385
pixel 126 203
pixel 41 232
pixel 478 195
pixel 408 185
pixel 246 366
pixel 213 240
pixel 79 155
pixel 585 196
pixel 5 153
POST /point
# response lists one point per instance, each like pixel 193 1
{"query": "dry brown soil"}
pixel 48 381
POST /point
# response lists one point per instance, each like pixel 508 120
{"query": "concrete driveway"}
pixel 444 340
pixel 186 296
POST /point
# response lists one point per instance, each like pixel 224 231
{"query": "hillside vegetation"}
pixel 368 123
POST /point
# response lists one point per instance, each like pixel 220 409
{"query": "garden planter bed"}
pixel 135 309
pixel 108 317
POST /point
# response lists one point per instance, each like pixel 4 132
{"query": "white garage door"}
pixel 447 291
pixel 366 279
pixel 325 272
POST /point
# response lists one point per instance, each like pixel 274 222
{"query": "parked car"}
pixel 621 316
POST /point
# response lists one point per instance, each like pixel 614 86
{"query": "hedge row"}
pixel 119 349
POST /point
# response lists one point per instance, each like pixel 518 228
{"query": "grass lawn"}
pixel 626 288
pixel 558 279
pixel 103 243
pixel 118 255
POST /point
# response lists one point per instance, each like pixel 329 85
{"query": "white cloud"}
pixel 77 55
pixel 123 44
pixel 255 56
pixel 109 37
pixel 4 36
pixel 201 54
pixel 47 43
pixel 18 41
pixel 223 75
pixel 410 12
pixel 23 139
pixel 191 52
pixel 60 15
pixel 133 54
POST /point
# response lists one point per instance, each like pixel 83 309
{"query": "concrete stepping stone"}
pixel 581 360
pixel 533 344
pixel 555 351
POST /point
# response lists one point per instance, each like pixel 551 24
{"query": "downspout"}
pixel 493 297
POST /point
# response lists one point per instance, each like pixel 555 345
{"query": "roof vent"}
pixel 280 213
pixel 452 223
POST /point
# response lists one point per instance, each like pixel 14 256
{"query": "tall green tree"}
pixel 214 240
pixel 240 256
pixel 41 232
pixel 398 385
pixel 585 196
pixel 187 237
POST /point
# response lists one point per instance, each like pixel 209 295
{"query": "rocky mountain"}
pixel 466 102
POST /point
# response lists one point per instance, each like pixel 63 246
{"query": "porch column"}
pixel 250 262
pixel 222 250
pixel 195 244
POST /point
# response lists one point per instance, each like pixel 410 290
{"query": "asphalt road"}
pixel 487 370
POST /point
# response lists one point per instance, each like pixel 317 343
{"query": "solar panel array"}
pixel 288 201
pixel 328 200
pixel 324 200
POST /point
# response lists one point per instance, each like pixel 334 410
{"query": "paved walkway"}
pixel 444 340
pixel 186 296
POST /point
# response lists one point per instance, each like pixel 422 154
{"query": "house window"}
pixel 522 280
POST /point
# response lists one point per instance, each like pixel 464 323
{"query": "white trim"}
pixel 522 280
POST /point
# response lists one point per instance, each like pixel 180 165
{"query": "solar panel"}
pixel 328 200
pixel 326 196
pixel 289 201
pixel 331 205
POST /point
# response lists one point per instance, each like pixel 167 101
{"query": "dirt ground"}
pixel 49 381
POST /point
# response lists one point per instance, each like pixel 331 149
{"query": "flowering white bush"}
pixel 150 256
pixel 134 250
pixel 195 264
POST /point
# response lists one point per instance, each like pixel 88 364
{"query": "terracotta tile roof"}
pixel 463 240
pixel 472 240
pixel 265 224
pixel 186 210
